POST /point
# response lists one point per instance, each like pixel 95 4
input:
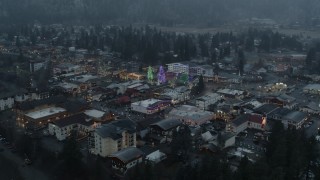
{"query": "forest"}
pixel 164 12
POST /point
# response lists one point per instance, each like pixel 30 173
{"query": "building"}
pixel 113 137
pixel 150 106
pixel 126 159
pixel 80 124
pixel 152 154
pixel 37 65
pixel 251 121
pixel 190 115
pixel 6 103
pixel 205 101
pixel 231 93
pixel 178 68
pixel 282 100
pixel 41 117
pixel 177 95
pixel 294 119
pixel 205 70
pixel 162 131
pixel 289 118
pixel 312 89
pixel 312 108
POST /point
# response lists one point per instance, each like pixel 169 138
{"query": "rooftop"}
pixel 127 155
pixel 115 128
pixel 75 119
pixel 146 103
pixel 312 87
pixel 208 96
pixel 265 109
pixel 167 124
pixel 230 91
pixel 45 112
pixel 241 119
pixel 189 112
pixel 94 113
pixel 295 116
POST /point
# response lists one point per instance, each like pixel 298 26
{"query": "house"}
pixel 289 118
pixel 113 137
pixel 126 158
pixel 252 121
pixel 143 126
pixel 311 108
pixel 163 130
pixel 282 100
pixel 152 154
pixel 294 119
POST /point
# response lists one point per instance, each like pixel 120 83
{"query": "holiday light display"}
pixel 150 74
pixel 161 75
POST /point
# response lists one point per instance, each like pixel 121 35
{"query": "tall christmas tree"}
pixel 161 76
pixel 150 74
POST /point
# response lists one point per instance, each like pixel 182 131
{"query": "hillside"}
pixel 165 12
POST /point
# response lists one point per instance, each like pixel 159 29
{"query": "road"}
pixel 27 172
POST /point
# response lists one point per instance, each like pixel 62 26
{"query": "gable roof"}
pixel 127 155
pixel 114 129
pixel 167 124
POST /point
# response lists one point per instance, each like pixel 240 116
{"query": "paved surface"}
pixel 27 172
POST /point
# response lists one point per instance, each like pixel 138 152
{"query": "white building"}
pixel 205 101
pixel 79 123
pixel 178 68
pixel 190 115
pixel 113 137
pixel 150 106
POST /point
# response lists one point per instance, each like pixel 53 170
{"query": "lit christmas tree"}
pixel 161 76
pixel 150 74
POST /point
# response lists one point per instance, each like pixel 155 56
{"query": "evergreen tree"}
pixel 201 84
pixel 311 57
pixel 241 61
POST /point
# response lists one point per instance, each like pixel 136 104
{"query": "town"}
pixel 111 102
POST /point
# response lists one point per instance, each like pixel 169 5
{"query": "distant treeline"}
pixel 164 12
